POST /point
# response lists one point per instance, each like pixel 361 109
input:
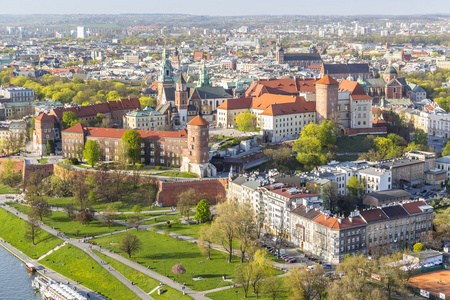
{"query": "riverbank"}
pixel 42 270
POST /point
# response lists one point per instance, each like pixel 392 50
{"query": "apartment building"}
pixel 375 179
pixel 373 231
pixel 443 163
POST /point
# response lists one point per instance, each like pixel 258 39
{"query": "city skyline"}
pixel 231 8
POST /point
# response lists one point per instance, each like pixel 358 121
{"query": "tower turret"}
pixel 326 98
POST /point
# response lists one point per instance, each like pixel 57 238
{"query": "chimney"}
pixel 339 220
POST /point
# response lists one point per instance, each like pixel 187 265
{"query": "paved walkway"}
pixel 84 247
pixel 42 270
pixel 87 248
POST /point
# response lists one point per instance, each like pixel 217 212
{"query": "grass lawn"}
pixel 183 229
pixel 230 294
pixel 12 230
pixel 63 223
pixel 5 189
pixel 163 219
pixel 123 217
pixel 62 202
pixel 177 174
pixel 77 265
pixel 145 282
pixel 157 248
pixel 355 143
pixel 42 160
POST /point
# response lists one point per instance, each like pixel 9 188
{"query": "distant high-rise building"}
pixel 81 32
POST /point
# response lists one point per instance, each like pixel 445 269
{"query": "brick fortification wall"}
pixel 18 167
pixel 28 170
pixel 210 189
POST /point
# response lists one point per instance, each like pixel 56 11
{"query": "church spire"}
pixel 204 77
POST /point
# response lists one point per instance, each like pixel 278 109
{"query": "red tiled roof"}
pixel 355 89
pixel 284 86
pixel 300 105
pixel 118 133
pixel 45 117
pixel 236 103
pixel 198 121
pixel 373 215
pixel 328 80
pixel 413 207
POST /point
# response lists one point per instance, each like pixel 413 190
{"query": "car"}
pixel 291 261
pixel 287 258
pixel 327 266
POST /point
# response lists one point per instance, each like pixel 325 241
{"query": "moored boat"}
pixel 30 267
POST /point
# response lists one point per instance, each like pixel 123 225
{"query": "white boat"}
pixel 52 290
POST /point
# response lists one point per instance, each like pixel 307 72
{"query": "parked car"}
pixel 327 266
pixel 291 261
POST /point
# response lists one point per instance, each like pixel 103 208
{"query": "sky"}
pixel 228 7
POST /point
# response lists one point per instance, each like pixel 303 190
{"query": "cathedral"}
pixel 182 99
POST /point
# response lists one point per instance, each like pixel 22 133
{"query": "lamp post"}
pixel 236 292
pixel 192 279
pixel 165 273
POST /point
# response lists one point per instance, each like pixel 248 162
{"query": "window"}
pixel 162 160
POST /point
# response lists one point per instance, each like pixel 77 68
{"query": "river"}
pixel 15 281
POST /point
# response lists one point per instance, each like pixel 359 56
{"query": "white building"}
pixel 81 32
pixel 146 119
pixel 17 93
pixel 439 124
pixel 443 163
pixel 375 179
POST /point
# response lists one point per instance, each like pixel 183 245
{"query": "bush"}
pixel 158 168
pixel 74 161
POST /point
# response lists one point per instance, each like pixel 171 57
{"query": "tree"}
pixel 137 209
pixel 134 221
pixel 40 208
pixel 130 244
pixel 246 121
pixel 225 226
pixel 245 228
pixel 185 201
pixel 80 190
pixel 132 143
pixel 280 158
pixel 178 269
pixel 206 239
pixel 355 187
pixel 84 217
pixel 273 287
pixel 147 101
pixel 390 274
pixel 307 285
pixel 70 210
pixel 50 147
pixel 8 176
pixel 202 212
pixel 309 152
pixel 446 149
pixel 107 216
pixel 418 247
pixel 69 119
pixel 32 230
pixel 243 275
pixel 420 137
pixel 261 269
pixel 92 153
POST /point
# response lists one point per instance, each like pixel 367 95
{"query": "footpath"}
pixel 87 248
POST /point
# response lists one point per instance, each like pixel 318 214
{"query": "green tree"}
pixel 206 239
pixel 355 187
pixel 420 137
pixel 418 247
pixel 446 149
pixel 132 143
pixel 202 213
pixel 50 147
pixel 309 152
pixel 69 119
pixel 246 121
pixel 92 153
pixel 147 101
pixel 8 176
pixel 280 158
